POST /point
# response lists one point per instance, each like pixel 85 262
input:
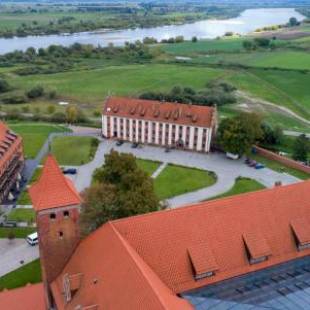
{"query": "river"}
pixel 248 21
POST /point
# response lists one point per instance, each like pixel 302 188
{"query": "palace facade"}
pixel 185 126
pixel 11 161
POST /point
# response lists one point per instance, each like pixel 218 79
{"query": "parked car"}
pixel 70 171
pixel 33 239
pixel 9 224
pixel 252 163
pixel 232 156
pixel 167 149
pixel 119 142
pixel 259 166
pixel 135 145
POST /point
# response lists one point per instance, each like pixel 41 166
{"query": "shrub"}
pixel 4 86
pixel 14 99
pixel 58 117
pixel 35 92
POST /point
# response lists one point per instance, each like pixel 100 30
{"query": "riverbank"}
pixel 246 22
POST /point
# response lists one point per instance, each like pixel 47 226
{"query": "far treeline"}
pixel 43 19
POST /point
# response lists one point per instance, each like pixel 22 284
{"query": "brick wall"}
pixel 281 159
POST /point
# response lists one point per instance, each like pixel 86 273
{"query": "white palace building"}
pixel 186 126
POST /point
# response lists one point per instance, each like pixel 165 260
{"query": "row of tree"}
pixel 214 93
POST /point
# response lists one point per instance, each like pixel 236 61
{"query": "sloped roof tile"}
pixel 53 189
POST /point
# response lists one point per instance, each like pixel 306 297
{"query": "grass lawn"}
pixel 242 185
pixel 30 273
pixel 20 232
pixel 22 215
pixel 274 165
pixel 74 151
pixel 149 166
pixel 177 180
pixel 34 135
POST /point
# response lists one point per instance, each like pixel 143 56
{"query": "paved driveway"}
pixel 226 170
pixel 12 253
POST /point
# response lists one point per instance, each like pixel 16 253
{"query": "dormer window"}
pixel 71 284
pixel 257 248
pixel 202 260
pixel 301 230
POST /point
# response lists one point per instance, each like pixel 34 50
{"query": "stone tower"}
pixel 57 206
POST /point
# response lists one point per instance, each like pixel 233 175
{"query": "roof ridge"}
pixel 210 202
pixel 130 251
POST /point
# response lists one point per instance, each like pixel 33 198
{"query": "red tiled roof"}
pixel 184 114
pixel 114 277
pixel 142 261
pixel 53 189
pixel 30 297
pixel 10 148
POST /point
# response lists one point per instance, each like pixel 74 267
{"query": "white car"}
pixel 33 239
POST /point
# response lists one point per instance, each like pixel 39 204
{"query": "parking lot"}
pixel 226 170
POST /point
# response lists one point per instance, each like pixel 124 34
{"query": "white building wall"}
pixel 118 124
pixel 143 132
pixel 157 133
pixel 137 130
pixel 125 128
pixel 184 135
pixel 199 139
pixel 209 133
pixel 191 137
pixel 176 134
pixel 170 134
pixel 149 138
pixel 111 126
pixel 163 134
pixel 130 130
pixel 105 125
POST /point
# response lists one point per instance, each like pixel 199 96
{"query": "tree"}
pixel 4 86
pixel 121 189
pixel 194 39
pixel 99 206
pixel 11 236
pixel 237 135
pixel 301 148
pixel 35 92
pixel 248 45
pixel 71 114
pixel 51 109
pixel 293 22
pixel 272 136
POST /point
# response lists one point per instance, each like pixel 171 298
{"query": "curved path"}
pixel 226 170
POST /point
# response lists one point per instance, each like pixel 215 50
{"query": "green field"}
pixel 34 135
pixel 242 185
pixel 275 59
pixel 92 86
pixel 148 166
pixel 286 88
pixel 20 232
pixel 22 215
pixel 74 151
pixel 177 180
pixel 30 273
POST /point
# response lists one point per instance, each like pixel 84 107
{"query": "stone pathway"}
pixel 226 170
pixel 159 170
pixel 12 253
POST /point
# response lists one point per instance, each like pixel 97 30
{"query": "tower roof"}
pixel 53 189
